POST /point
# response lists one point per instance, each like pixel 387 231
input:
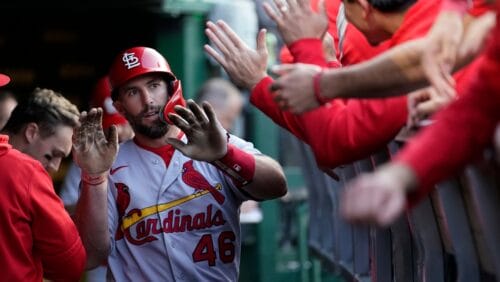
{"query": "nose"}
pixel 53 165
pixel 146 97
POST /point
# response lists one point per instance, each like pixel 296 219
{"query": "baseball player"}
pixel 172 194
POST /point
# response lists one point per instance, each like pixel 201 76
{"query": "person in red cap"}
pixel 39 239
pixel 172 195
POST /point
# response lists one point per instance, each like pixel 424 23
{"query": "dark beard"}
pixel 155 131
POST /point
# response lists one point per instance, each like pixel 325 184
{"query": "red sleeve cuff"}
pixel 260 89
pixel 308 51
pixel 334 64
pixel 459 6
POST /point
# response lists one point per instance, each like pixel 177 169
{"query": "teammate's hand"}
pixel 476 34
pixel 296 20
pixel 440 54
pixel 92 151
pixel 496 142
pixel 423 103
pixel 294 89
pixel 377 198
pixel 245 66
pixel 329 48
pixel 207 139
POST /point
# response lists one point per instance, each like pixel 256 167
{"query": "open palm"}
pixel 92 151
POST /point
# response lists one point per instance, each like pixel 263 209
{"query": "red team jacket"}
pixel 462 130
pixel 37 236
pixel 341 133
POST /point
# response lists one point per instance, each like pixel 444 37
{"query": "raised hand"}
pixel 377 198
pixel 294 90
pixel 496 142
pixel 476 34
pixel 296 20
pixel 92 151
pixel 245 66
pixel 440 54
pixel 207 139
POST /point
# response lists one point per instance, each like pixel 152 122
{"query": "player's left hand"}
pixel 294 89
pixel 377 198
pixel 423 103
pixel 207 139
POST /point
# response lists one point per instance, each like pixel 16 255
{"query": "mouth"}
pixel 150 114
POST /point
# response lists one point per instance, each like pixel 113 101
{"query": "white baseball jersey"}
pixel 175 223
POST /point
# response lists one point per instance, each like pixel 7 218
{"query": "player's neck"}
pixel 172 132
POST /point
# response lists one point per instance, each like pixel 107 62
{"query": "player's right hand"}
pixel 92 151
pixel 207 139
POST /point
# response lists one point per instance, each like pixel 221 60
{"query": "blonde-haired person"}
pixel 42 127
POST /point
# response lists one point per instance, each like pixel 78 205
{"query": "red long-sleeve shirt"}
pixel 355 47
pixel 478 7
pixel 462 130
pixel 37 236
pixel 341 133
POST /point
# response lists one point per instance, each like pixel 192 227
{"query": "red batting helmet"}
pixel 137 61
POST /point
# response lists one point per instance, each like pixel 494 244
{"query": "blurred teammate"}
pixel 38 237
pixel 470 123
pixel 42 127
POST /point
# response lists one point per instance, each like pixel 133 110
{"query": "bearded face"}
pixel 141 101
pixel 154 129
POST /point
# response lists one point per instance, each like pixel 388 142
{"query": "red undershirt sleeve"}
pixel 338 133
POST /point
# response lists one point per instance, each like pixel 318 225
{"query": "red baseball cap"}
pixel 4 80
pixel 101 97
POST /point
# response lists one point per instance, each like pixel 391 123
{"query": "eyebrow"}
pixel 156 79
pixel 149 82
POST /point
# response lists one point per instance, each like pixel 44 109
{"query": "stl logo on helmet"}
pixel 130 60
